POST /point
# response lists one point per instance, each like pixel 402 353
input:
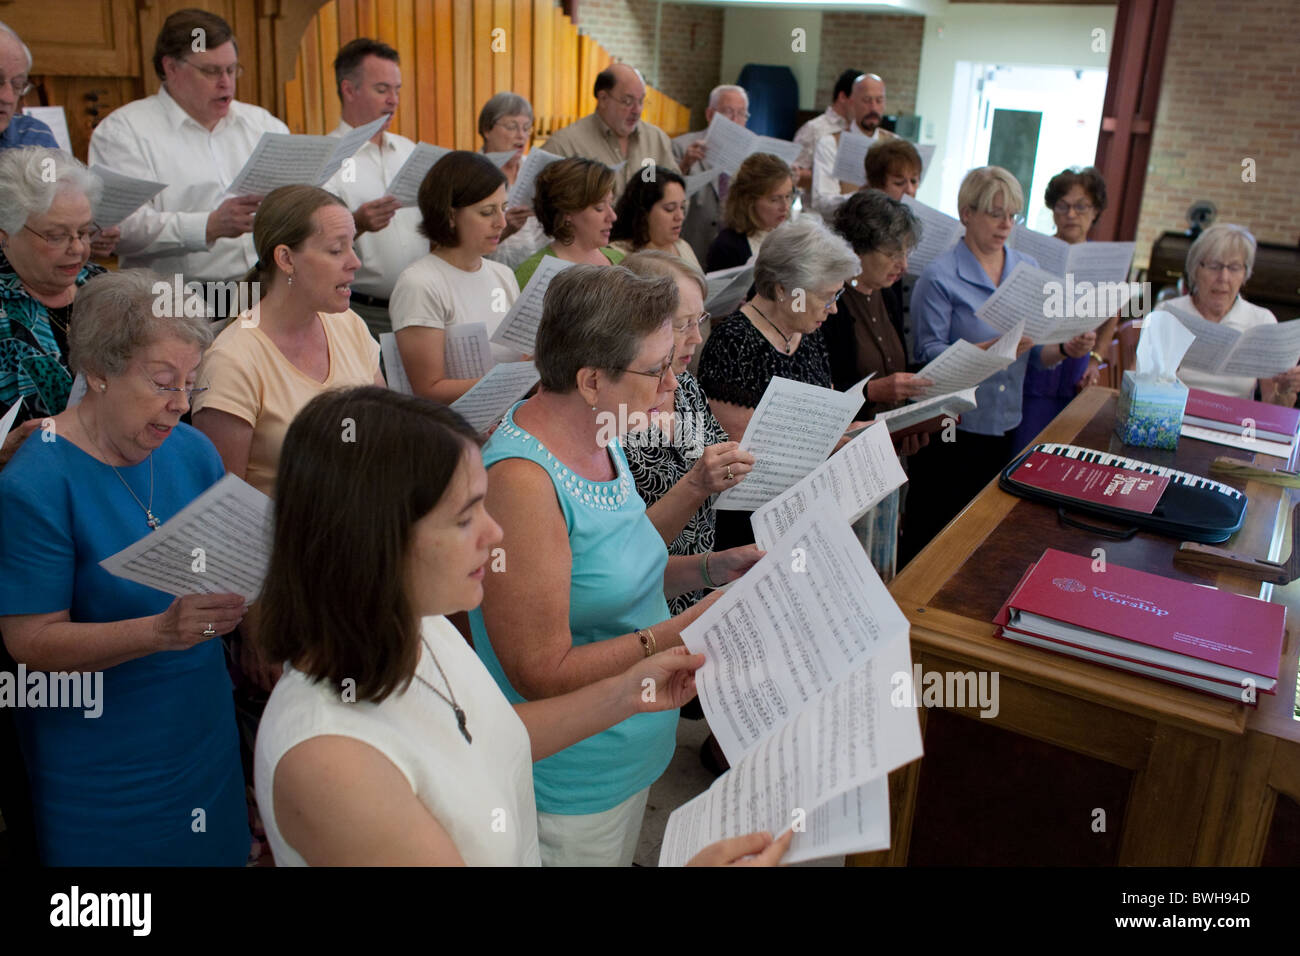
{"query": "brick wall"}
pixel 690 48
pixel 1231 91
pixel 887 45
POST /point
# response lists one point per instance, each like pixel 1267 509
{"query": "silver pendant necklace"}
pixel 150 519
pixel 450 701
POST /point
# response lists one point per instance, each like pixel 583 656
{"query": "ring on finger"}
pixel 730 476
pixel 209 631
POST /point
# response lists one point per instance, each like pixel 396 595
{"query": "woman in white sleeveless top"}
pixel 386 741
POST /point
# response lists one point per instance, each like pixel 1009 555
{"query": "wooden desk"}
pixel 1081 764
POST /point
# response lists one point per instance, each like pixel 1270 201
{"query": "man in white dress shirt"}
pixel 867 106
pixel 836 119
pixel 194 136
pixel 369 77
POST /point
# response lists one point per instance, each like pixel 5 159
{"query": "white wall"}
pixel 997 34
pixel 756 35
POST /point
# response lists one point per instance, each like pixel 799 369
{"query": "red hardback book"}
pixel 1134 491
pixel 1198 637
pixel 1224 413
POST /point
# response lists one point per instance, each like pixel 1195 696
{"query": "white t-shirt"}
pixel 435 294
pixel 1241 316
pixel 481 793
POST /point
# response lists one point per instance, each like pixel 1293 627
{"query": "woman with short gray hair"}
pixel 115 790
pixel 506 125
pixel 582 596
pixel 1219 263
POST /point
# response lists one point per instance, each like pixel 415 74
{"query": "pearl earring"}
pixel 290 278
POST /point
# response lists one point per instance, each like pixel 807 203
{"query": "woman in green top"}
pixel 574 201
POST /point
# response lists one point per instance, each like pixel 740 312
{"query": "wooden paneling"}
pixel 78 37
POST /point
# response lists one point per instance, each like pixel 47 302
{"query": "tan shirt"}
pixel 248 376
pixel 591 138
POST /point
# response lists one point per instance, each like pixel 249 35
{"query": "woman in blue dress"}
pixel 144 769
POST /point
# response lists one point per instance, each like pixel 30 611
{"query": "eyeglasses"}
pixel 830 303
pixel 736 116
pixel 18 84
pixel 214 73
pixel 1080 208
pixel 659 373
pixel 64 240
pixel 627 102
pixel 1233 268
pixel 170 390
pixel 997 215
pixel 691 324
pixel 517 128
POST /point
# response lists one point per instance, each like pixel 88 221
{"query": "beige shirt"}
pixel 590 137
pixel 248 376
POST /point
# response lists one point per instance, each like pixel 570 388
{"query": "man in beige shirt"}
pixel 615 133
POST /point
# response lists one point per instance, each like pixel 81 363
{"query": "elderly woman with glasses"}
pixel 46 231
pixel 758 200
pixel 506 125
pixel 579 593
pixel 1218 264
pixel 946 475
pixel 154 777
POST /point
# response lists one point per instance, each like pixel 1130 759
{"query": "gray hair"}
pixel 6 29
pixel 118 314
pixel 597 317
pixel 31 176
pixel 656 262
pixel 717 91
pixel 1219 241
pixel 803 254
pixel 499 107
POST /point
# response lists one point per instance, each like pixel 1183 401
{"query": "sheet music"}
pixel 1098 262
pixel 347 145
pixel 851 481
pixel 1213 342
pixel 220 542
pixel 121 196
pixel 793 429
pixel 78 391
pixel 394 370
pixel 850 158
pixel 492 395
pixel 521 193
pixel 7 423
pixel 1264 351
pixel 1025 298
pixel 964 365
pixel 954 404
pixel 939 233
pixel 519 328
pixel 926 153
pixel 697 181
pixel 405 187
pixel 503 157
pixel 727 288
pixel 727 143
pixel 1052 254
pixel 781 148
pixel 467 353
pixel 287 159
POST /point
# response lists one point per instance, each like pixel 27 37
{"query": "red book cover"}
pixel 1210 625
pixel 1276 419
pixel 1133 491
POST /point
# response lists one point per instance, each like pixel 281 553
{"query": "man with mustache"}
pixel 867 103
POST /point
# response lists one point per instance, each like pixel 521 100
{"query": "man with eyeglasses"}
pixel 369 78
pixel 194 136
pixel 15 128
pixel 704 217
pixel 615 134
pixel 867 107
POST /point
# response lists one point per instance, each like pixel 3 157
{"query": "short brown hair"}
pixel 459 179
pixel 758 175
pixel 893 156
pixel 1087 177
pixel 285 219
pixel 176 38
pixel 342 617
pixel 347 63
pixel 569 187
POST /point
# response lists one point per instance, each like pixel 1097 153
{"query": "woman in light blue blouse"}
pixel 945 475
pixel 578 589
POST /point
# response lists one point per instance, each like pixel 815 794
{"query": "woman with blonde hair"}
pixel 758 200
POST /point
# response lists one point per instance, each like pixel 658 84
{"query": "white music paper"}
pixel 466 352
pixel 853 480
pixel 926 152
pixel 7 423
pixel 1035 299
pixel 394 370
pixel 697 181
pixel 499 159
pixel 729 144
pixel 952 405
pixel 78 390
pixel 121 196
pixel 939 233
pixel 521 193
pixel 850 158
pixel 492 395
pixel 405 187
pixel 1261 351
pixel 1093 262
pixel 519 328
pixel 964 365
pixel 727 288
pixel 792 431
pixel 780 148
pixel 286 159
pixel 219 543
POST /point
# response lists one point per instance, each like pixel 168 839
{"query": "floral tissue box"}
pixel 1150 414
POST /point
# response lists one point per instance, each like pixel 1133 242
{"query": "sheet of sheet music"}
pixel 282 159
pixel 121 196
pixel 347 146
pixel 793 429
pixel 1052 254
pixel 78 392
pixel 954 403
pixel 850 157
pixel 964 365
pixel 781 148
pixel 853 480
pixel 466 353
pixel 521 193
pixel 1213 344
pixel 1265 350
pixel 939 233
pixel 492 395
pixel 1037 299
pixel 926 152
pixel 1098 262
pixel 405 187
pixel 499 159
pixel 519 328
pixel 218 543
pixel 394 370
pixel 697 181
pixel 727 288
pixel 728 144
pixel 11 416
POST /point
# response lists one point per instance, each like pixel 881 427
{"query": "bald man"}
pixel 867 107
pixel 615 133
pixel 15 128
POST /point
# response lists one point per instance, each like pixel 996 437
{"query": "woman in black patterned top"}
pixel 799 275
pixel 679 464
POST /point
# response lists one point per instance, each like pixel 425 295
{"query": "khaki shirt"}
pixel 591 138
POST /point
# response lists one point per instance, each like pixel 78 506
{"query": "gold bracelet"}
pixel 647 641
pixel 1100 360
